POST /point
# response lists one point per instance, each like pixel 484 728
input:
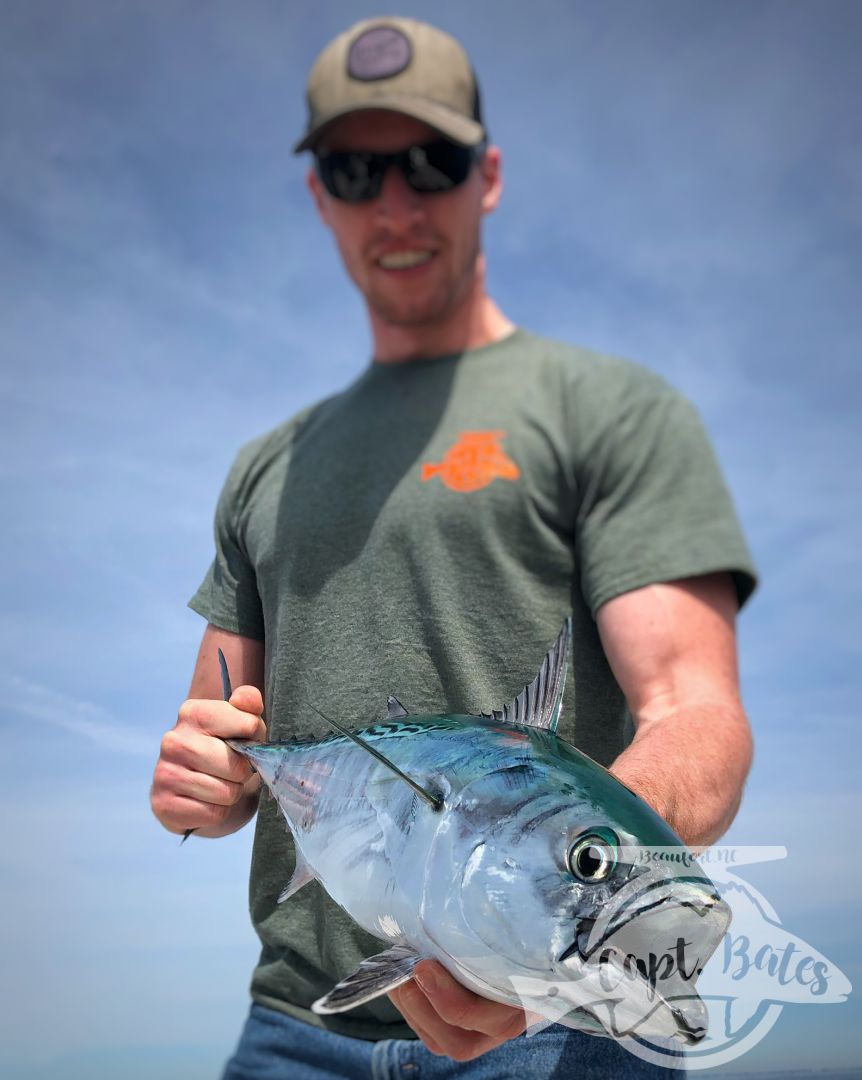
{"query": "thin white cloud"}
pixel 82 718
pixel 168 293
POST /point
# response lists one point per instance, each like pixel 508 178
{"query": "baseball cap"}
pixel 399 64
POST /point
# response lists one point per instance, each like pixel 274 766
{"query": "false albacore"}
pixel 490 844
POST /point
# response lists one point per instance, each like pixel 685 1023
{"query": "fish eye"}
pixel 593 856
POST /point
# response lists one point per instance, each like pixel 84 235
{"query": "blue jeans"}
pixel 274 1046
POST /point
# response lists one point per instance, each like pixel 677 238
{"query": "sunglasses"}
pixel 356 176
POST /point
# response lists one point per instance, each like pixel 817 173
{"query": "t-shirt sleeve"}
pixel 228 596
pixel 654 505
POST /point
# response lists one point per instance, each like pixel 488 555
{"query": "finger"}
pixel 462 1008
pixel 406 999
pixel 248 699
pixel 179 814
pixel 427 1041
pixel 194 750
pixel 455 1042
pixel 426 1038
pixel 199 786
pixel 221 719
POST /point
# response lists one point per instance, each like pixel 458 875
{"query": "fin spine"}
pixel 433 800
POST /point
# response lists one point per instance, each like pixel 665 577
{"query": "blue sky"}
pixel 682 188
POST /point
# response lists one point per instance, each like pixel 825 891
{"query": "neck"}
pixel 474 322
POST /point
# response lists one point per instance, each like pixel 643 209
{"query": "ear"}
pixel 491 170
pixel 314 185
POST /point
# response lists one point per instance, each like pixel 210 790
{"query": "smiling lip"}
pixel 405 261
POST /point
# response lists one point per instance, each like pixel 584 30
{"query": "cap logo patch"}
pixel 379 53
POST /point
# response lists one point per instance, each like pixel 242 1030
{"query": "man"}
pixel 424 533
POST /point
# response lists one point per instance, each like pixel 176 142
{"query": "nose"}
pixel 397 204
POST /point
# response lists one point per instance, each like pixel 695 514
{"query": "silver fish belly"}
pixel 509 856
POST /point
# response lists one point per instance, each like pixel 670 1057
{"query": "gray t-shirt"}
pixel 424 533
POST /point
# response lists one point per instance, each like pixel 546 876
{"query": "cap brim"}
pixel 453 125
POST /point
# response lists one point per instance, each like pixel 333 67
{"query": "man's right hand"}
pixel 199 782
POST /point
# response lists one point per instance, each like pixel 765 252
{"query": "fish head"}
pixel 578 884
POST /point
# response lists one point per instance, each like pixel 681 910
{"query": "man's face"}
pixel 443 227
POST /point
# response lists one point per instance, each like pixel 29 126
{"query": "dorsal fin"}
pixel 435 800
pixel 394 708
pixel 540 703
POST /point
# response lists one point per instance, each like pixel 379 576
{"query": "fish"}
pixel 473 462
pixel 489 843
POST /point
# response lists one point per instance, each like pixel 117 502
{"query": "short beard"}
pixel 433 309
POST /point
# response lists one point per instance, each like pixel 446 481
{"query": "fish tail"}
pixel 508 470
pixel 429 470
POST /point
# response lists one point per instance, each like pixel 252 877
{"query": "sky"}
pixel 682 189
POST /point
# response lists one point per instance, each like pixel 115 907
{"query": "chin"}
pixel 415 313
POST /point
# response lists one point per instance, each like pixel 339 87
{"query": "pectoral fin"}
pixel 375 976
pixel 302 874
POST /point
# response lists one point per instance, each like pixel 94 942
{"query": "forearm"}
pixel 690 766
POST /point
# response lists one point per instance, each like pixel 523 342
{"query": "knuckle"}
pixel 157 803
pixel 165 775
pixel 247 725
pixel 157 778
pixel 170 744
pixel 176 754
pixel 188 711
pixel 197 712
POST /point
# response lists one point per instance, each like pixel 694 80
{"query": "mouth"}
pixel 655 945
pixel 406 262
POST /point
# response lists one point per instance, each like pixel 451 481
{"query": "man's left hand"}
pixel 452 1020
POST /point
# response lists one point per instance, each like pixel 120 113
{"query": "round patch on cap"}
pixel 379 53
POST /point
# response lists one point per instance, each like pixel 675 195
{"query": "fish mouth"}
pixel 658 938
pixel 689 1019
pixel 696 896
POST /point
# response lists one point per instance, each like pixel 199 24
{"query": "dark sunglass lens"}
pixel 351 177
pixel 438 166
pixel 356 176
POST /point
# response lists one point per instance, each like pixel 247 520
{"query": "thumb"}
pixel 248 699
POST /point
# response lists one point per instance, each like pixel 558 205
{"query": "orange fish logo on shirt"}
pixel 473 462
